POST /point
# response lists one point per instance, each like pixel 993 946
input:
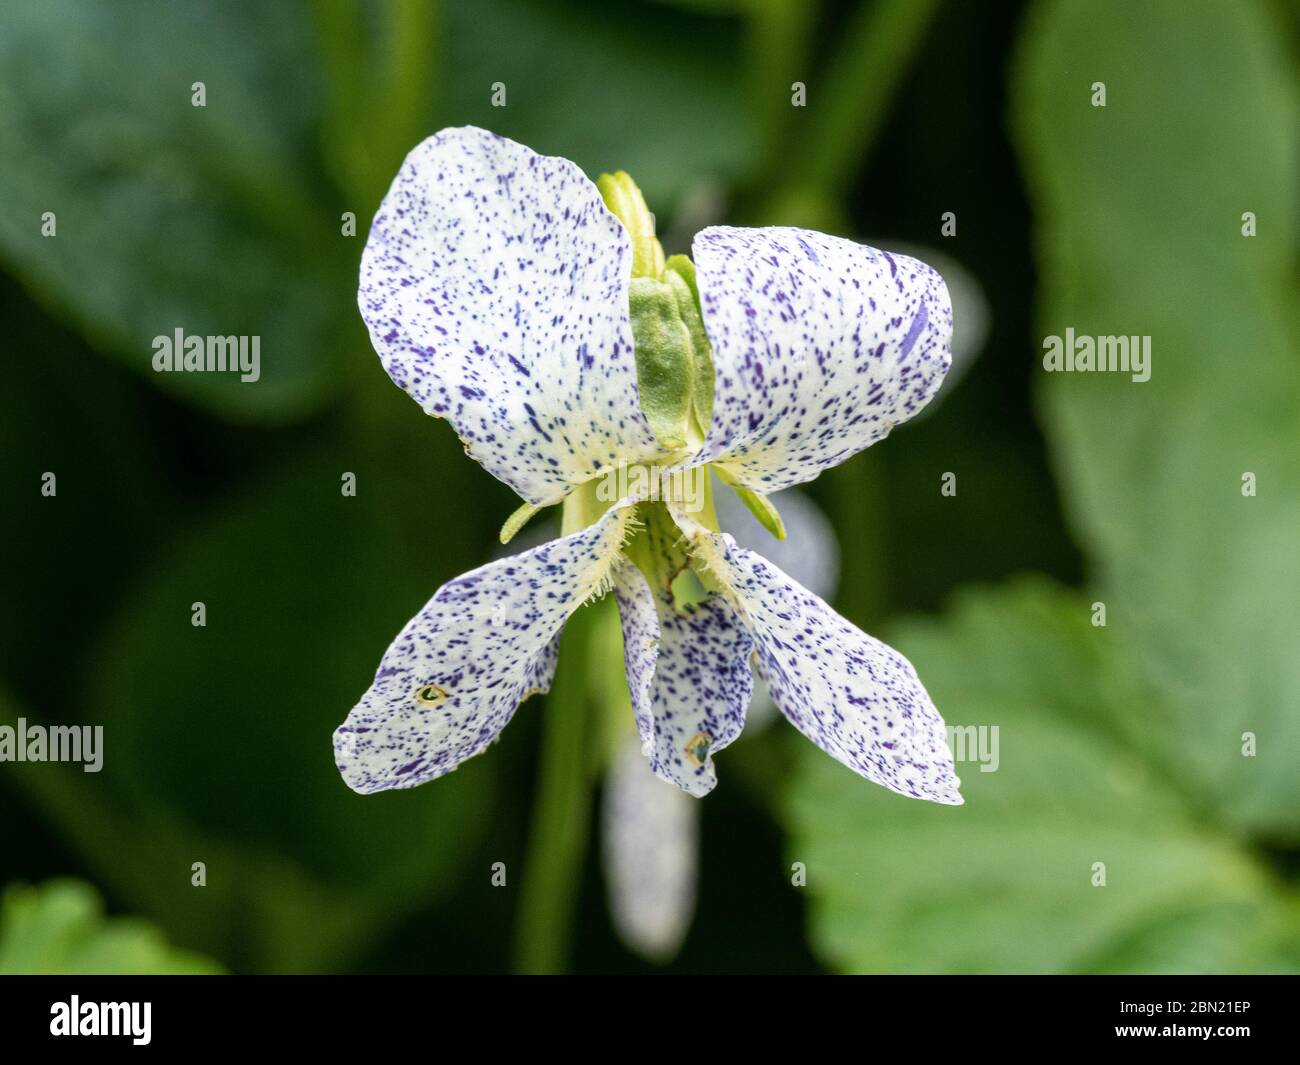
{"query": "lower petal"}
pixel 858 699
pixel 459 669
pixel 809 553
pixel 689 674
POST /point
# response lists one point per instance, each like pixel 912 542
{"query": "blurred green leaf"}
pixel 1004 883
pixel 169 215
pixel 228 726
pixel 59 927
pixel 852 98
pixel 654 92
pixel 91 402
pixel 1140 209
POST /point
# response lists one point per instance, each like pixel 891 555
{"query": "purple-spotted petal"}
pixel 456 673
pixel 651 842
pixel 858 699
pixel 495 288
pixel 639 620
pixel 809 553
pixel 694 703
pixel 820 347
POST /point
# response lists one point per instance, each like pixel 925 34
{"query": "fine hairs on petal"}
pixel 602 582
pixel 703 545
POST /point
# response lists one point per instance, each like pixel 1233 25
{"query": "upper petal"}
pixel 820 347
pixel 495 288
pixel 456 673
pixel 858 699
pixel 689 676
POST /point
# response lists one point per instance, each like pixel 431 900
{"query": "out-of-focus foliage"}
pixel 59 927
pixel 210 219
pixel 227 219
pixel 1126 744
pixel 168 215
pixel 1006 882
pixel 366 864
pixel 1140 231
pixel 608 86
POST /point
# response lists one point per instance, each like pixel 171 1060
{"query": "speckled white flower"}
pixel 504 295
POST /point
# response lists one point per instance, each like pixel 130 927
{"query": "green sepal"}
pixel 583 507
pixel 625 202
pixel 665 362
pixel 517 521
pixel 757 504
pixel 679 272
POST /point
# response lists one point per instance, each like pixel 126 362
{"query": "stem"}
pixel 855 502
pixel 378 93
pixel 777 51
pixel 561 812
pixel 853 98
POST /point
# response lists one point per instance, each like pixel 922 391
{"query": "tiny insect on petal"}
pixel 697 747
pixel 431 695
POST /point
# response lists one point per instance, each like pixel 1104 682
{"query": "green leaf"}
pixel 1140 208
pixel 1005 883
pixel 171 216
pixel 60 927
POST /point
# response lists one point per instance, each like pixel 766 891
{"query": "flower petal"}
pixel 456 673
pixel 971 316
pixel 820 347
pixel 651 843
pixel 809 553
pixel 693 703
pixel 640 624
pixel 858 699
pixel 495 287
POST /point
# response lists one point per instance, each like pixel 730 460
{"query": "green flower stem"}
pixel 855 501
pixel 854 97
pixel 777 49
pixel 562 808
pixel 378 93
